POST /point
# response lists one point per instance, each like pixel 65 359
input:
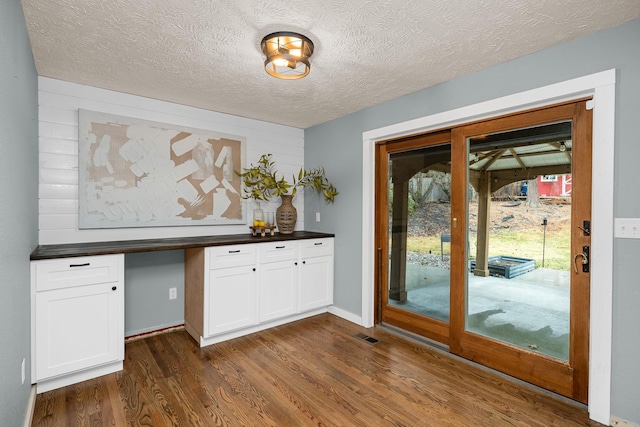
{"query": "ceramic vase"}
pixel 286 215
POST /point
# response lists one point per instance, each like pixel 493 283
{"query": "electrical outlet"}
pixel 627 228
pixel 317 216
pixel 23 371
pixel 173 293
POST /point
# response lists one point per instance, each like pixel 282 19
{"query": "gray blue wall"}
pixel 18 207
pixel 337 145
pixel 148 277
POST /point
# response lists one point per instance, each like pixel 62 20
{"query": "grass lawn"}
pixel 521 244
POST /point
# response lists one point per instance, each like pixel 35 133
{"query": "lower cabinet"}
pixel 231 299
pixel 77 309
pixel 234 290
pixel 316 283
pixel 77 303
pixel 316 274
pixel 278 286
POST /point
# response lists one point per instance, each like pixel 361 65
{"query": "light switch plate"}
pixel 627 228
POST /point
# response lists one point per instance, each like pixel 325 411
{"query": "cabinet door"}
pixel 78 328
pixel 316 283
pixel 231 297
pixel 278 286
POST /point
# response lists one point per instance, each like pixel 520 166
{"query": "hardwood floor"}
pixel 312 372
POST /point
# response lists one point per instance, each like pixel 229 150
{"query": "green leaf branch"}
pixel 261 182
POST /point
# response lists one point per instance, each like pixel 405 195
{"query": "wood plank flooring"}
pixel 314 372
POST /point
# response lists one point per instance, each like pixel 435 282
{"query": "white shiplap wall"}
pixel 59 102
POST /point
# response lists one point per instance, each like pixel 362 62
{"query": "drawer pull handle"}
pixel 80 265
pixel 317 244
pixel 114 288
pixel 234 252
pixel 280 247
pixel 304 262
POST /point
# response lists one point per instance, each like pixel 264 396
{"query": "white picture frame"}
pixel 139 173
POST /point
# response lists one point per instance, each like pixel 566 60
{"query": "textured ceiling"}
pixel 206 53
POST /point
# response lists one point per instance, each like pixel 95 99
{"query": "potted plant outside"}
pixel 261 182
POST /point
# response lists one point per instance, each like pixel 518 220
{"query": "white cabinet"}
pixel 231 298
pixel 230 292
pixel 234 290
pixel 220 289
pixel 77 309
pixel 278 286
pixel 315 287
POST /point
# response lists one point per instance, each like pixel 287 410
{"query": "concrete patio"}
pixel 530 311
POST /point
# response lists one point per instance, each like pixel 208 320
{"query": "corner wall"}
pixel 18 208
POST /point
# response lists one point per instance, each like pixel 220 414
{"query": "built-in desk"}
pixel 234 285
pixel 150 245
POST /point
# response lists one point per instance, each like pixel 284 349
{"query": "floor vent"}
pixel 367 338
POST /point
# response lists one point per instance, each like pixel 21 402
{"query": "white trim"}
pixel 601 288
pixel 602 87
pixel 31 405
pixel 346 315
pixel 252 329
pixel 79 376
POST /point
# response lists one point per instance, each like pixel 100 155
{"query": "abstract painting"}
pixel 137 173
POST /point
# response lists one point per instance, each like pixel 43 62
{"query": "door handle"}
pixel 586 228
pixel 585 260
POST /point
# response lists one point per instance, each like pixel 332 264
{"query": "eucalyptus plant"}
pixel 316 179
pixel 261 181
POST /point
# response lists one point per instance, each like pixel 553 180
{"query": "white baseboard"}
pixel 31 405
pixel 76 377
pixel 618 422
pixel 346 315
pixel 251 329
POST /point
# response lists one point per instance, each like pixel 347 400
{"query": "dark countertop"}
pixel 150 245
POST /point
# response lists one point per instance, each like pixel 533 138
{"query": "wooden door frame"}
pixel 601 86
pixel 428 327
pixel 566 378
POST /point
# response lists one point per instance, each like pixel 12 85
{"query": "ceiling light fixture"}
pixel 287 55
pixel 562 146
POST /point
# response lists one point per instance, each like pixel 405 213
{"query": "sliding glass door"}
pixel 483 240
pixel 416 245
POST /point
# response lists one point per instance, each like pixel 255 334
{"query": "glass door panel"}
pixel 414 217
pixel 518 289
pixel 419 236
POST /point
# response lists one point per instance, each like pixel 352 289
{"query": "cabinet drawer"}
pixel 231 256
pixel 316 247
pixel 278 251
pixel 77 271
